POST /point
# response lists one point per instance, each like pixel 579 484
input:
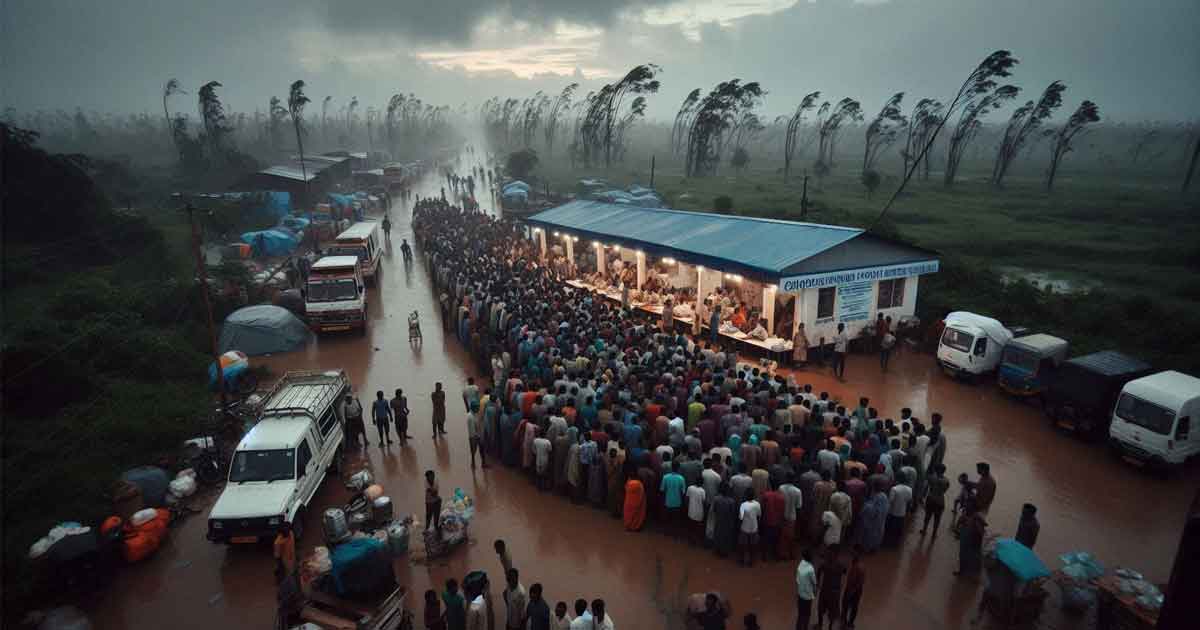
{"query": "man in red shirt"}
pixel 772 504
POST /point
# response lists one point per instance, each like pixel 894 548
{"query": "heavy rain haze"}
pixel 220 217
pixel 1139 59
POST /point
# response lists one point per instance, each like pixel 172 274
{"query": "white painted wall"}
pixel 827 327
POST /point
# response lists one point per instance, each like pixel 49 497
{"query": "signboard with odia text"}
pixel 866 274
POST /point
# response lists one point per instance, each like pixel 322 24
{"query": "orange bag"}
pixel 139 546
pixel 111 523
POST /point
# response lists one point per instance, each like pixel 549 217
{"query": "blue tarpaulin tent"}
pixel 271 242
pixel 277 204
pixel 516 185
pixel 345 202
pixel 263 329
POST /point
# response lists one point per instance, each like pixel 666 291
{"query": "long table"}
pixel 738 339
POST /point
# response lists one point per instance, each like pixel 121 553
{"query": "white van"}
pixel 364 240
pixel 279 465
pixel 971 344
pixel 335 296
pixel 1152 420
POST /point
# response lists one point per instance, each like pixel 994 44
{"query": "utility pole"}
pixel 804 199
pixel 652 171
pixel 202 274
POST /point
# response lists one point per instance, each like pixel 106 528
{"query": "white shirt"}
pixel 749 514
pixel 806 580
pixel 607 624
pixel 828 461
pixel 695 502
pixel 793 500
pixel 712 484
pixel 900 496
pixel 541 451
pixel 839 342
pixel 833 533
pixel 584 621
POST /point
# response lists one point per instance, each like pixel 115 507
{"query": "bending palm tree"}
pixel 296 102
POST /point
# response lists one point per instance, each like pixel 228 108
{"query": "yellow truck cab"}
pixel 335 296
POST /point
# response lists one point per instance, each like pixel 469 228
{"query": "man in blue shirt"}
pixel 381 413
pixel 673 486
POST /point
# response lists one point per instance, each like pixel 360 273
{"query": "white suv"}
pixel 281 462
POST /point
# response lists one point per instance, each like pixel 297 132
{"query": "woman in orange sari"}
pixel 635 505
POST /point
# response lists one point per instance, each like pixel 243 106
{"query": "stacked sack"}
pixel 57 533
pixel 144 533
pixel 181 487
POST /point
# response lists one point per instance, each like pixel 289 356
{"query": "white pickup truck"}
pixel 279 465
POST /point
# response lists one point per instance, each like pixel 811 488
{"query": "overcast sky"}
pixel 1138 59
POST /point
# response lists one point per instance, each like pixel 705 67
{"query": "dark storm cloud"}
pixel 454 20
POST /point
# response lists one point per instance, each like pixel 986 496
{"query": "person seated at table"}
pixel 760 330
pixel 739 318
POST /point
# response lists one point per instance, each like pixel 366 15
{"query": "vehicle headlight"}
pixel 274 521
pixel 218 525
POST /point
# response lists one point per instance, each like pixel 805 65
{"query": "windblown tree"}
pixel 391 121
pixel 970 122
pixel 1193 160
pixel 683 120
pixel 714 115
pixel 558 109
pixel 980 82
pixel 296 102
pixel 212 115
pixel 531 117
pixel 325 102
pixel 926 115
pixel 791 136
pixel 883 130
pixel 638 81
pixel 1024 121
pixel 637 109
pixel 1086 114
pixel 276 114
pixel 170 88
pixel 351 119
pixel 831 123
pixel 745 128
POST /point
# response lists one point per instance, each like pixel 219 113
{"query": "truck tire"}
pixel 335 466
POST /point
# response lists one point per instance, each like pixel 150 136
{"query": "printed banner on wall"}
pixel 854 301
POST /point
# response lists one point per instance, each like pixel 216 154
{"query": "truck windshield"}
pixel 272 465
pixel 957 339
pixel 332 290
pixel 1021 359
pixel 1145 414
pixel 347 250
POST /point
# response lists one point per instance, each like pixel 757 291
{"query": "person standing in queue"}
pixel 387 228
pixel 538 611
pixel 829 580
pixel 399 406
pixel 475 433
pixel 456 607
pixel 285 552
pixel 856 579
pixel 352 411
pixel 1028 527
pixel 985 488
pixel 433 502
pixel 806 590
pixel 439 410
pixel 840 343
pixel 516 602
pixel 381 414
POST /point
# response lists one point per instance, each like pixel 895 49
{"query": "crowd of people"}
pixel 614 407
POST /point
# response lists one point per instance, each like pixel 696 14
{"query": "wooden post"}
pixel 652 171
pixel 202 275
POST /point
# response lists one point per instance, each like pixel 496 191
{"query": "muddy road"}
pixel 1088 500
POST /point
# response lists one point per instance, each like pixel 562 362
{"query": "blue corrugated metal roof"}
pixel 765 247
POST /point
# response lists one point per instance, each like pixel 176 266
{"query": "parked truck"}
pixel 1152 420
pixel 1028 364
pixel 971 344
pixel 335 296
pixel 280 463
pixel 1081 397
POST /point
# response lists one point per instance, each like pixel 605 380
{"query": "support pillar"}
pixel 570 254
pixel 541 234
pixel 641 269
pixel 599 258
pixel 768 307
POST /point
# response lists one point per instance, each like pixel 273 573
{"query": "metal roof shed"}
pixel 767 250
